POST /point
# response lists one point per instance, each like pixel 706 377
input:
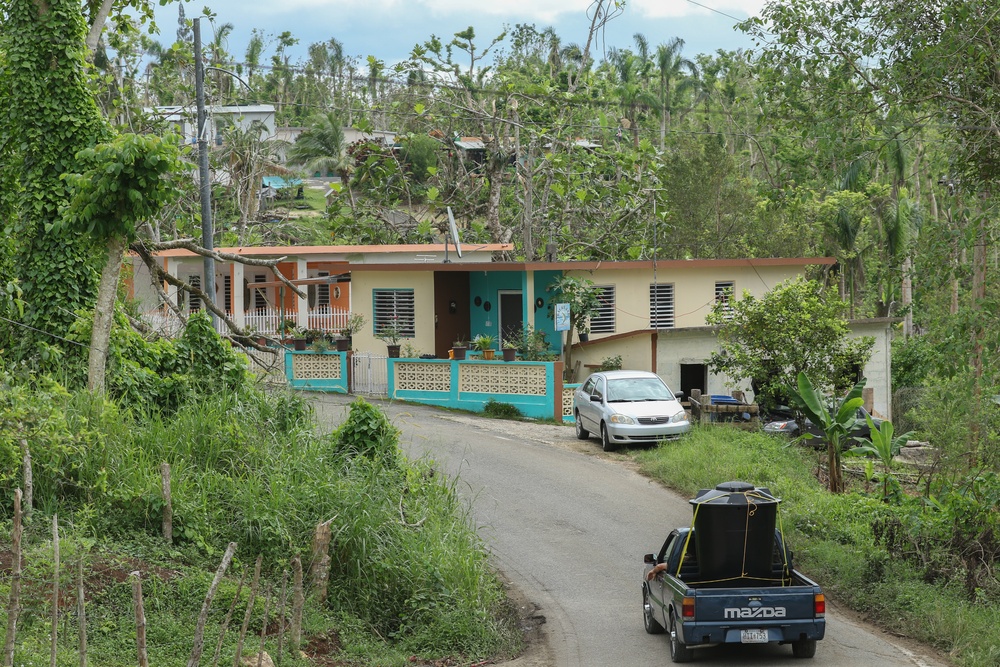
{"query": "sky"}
pixel 388 29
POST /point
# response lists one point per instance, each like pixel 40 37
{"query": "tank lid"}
pixel 734 493
pixel 735 487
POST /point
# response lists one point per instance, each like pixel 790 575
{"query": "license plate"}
pixel 753 636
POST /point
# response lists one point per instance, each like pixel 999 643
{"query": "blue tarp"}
pixel 278 182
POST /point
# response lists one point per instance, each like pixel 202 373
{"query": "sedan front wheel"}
pixel 606 443
pixel 581 432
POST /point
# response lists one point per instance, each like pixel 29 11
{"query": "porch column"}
pixel 170 268
pixel 302 271
pixel 236 294
pixel 529 298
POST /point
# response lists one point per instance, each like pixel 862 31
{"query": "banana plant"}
pixel 883 446
pixel 836 422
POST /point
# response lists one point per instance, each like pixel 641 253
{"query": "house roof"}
pixel 299 250
pixel 595 265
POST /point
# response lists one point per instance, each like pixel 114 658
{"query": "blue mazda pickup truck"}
pixel 760 600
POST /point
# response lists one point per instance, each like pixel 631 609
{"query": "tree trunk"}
pixel 104 314
pixel 97 27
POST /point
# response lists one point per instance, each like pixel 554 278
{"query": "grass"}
pixel 409 574
pixel 833 541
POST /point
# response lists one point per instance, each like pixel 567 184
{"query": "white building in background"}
pixel 184 120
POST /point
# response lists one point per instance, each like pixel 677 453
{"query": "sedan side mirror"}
pixel 596 398
pixel 679 395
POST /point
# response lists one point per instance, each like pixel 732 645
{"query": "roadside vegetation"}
pixel 404 574
pixel 919 561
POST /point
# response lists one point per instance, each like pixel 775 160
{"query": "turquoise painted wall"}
pixel 487 286
pixel 542 407
pixel 543 322
pixel 335 385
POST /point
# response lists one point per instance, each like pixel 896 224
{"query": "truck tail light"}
pixel 819 604
pixel 687 608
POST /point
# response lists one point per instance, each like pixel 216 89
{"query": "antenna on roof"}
pixel 453 232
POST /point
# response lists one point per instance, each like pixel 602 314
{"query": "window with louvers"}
pixel 603 320
pixel 227 293
pixel 661 306
pixel 724 295
pixel 259 298
pixel 194 303
pixel 394 307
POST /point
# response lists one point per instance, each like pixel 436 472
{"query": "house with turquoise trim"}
pixel 652 313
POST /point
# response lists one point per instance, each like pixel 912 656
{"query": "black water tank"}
pixel 734 531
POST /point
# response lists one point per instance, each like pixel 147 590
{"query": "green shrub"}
pixel 499 410
pixel 367 432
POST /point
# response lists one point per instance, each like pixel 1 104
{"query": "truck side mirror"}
pixel 649 558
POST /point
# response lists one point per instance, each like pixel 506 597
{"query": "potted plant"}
pixel 355 322
pixel 299 340
pixel 459 348
pixel 583 332
pixel 484 343
pixel 312 335
pixel 509 346
pixel 391 335
pixel 320 345
pixel 285 329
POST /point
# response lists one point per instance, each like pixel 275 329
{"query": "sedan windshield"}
pixel 638 389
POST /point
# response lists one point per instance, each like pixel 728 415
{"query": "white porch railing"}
pixel 265 321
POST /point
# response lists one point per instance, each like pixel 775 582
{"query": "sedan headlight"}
pixel 621 419
pixel 679 417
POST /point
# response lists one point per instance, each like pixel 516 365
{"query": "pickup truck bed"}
pixel 786 608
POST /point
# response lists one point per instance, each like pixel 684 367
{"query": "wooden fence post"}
pixel 229 617
pixel 281 615
pixel 298 602
pixel 199 630
pixel 81 612
pixel 29 483
pixel 168 509
pixel 55 589
pixel 249 612
pixel 14 603
pixel 140 619
pixel 263 626
pixel 319 571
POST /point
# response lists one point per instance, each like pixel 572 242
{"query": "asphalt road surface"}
pixel 568 525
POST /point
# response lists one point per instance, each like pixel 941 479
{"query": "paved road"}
pixel 568 526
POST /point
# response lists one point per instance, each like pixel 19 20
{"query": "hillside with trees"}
pixel 863 130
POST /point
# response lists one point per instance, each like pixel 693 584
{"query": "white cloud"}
pixel 673 8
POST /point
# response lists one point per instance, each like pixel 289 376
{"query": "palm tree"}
pixel 255 49
pixel 630 93
pixel 218 56
pixel 320 148
pixel 671 65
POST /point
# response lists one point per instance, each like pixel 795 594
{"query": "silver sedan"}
pixel 627 407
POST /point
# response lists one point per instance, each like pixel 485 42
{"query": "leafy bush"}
pixel 494 408
pixel 367 432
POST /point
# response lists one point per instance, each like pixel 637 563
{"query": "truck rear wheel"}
pixel 805 648
pixel 678 651
pixel 652 626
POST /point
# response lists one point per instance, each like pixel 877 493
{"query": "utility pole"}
pixel 207 232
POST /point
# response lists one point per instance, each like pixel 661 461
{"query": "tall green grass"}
pixel 833 540
pixel 409 575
